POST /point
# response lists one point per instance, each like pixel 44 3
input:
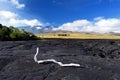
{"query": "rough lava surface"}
pixel 99 59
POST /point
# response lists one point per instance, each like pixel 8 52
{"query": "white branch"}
pixel 52 60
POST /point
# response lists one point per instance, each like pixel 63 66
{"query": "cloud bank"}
pixel 11 19
pixel 14 2
pixel 98 25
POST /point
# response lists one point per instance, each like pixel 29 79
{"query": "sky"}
pixel 100 16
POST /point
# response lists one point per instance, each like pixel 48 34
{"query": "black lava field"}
pixel 99 59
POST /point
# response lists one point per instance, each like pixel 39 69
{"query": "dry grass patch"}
pixel 77 36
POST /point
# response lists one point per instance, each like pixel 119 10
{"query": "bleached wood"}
pixel 52 60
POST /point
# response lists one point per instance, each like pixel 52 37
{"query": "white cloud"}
pixel 7 15
pixel 98 18
pixel 31 23
pixel 104 26
pixel 17 4
pixel 39 27
pixel 10 19
pixel 99 25
pixel 73 26
pixel 14 2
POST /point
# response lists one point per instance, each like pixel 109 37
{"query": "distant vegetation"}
pixel 12 33
pixel 63 34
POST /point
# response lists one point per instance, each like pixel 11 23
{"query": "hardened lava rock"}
pixel 99 59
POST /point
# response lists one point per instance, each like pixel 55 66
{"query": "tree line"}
pixel 12 33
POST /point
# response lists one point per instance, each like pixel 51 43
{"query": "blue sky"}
pixel 61 11
pixel 83 15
